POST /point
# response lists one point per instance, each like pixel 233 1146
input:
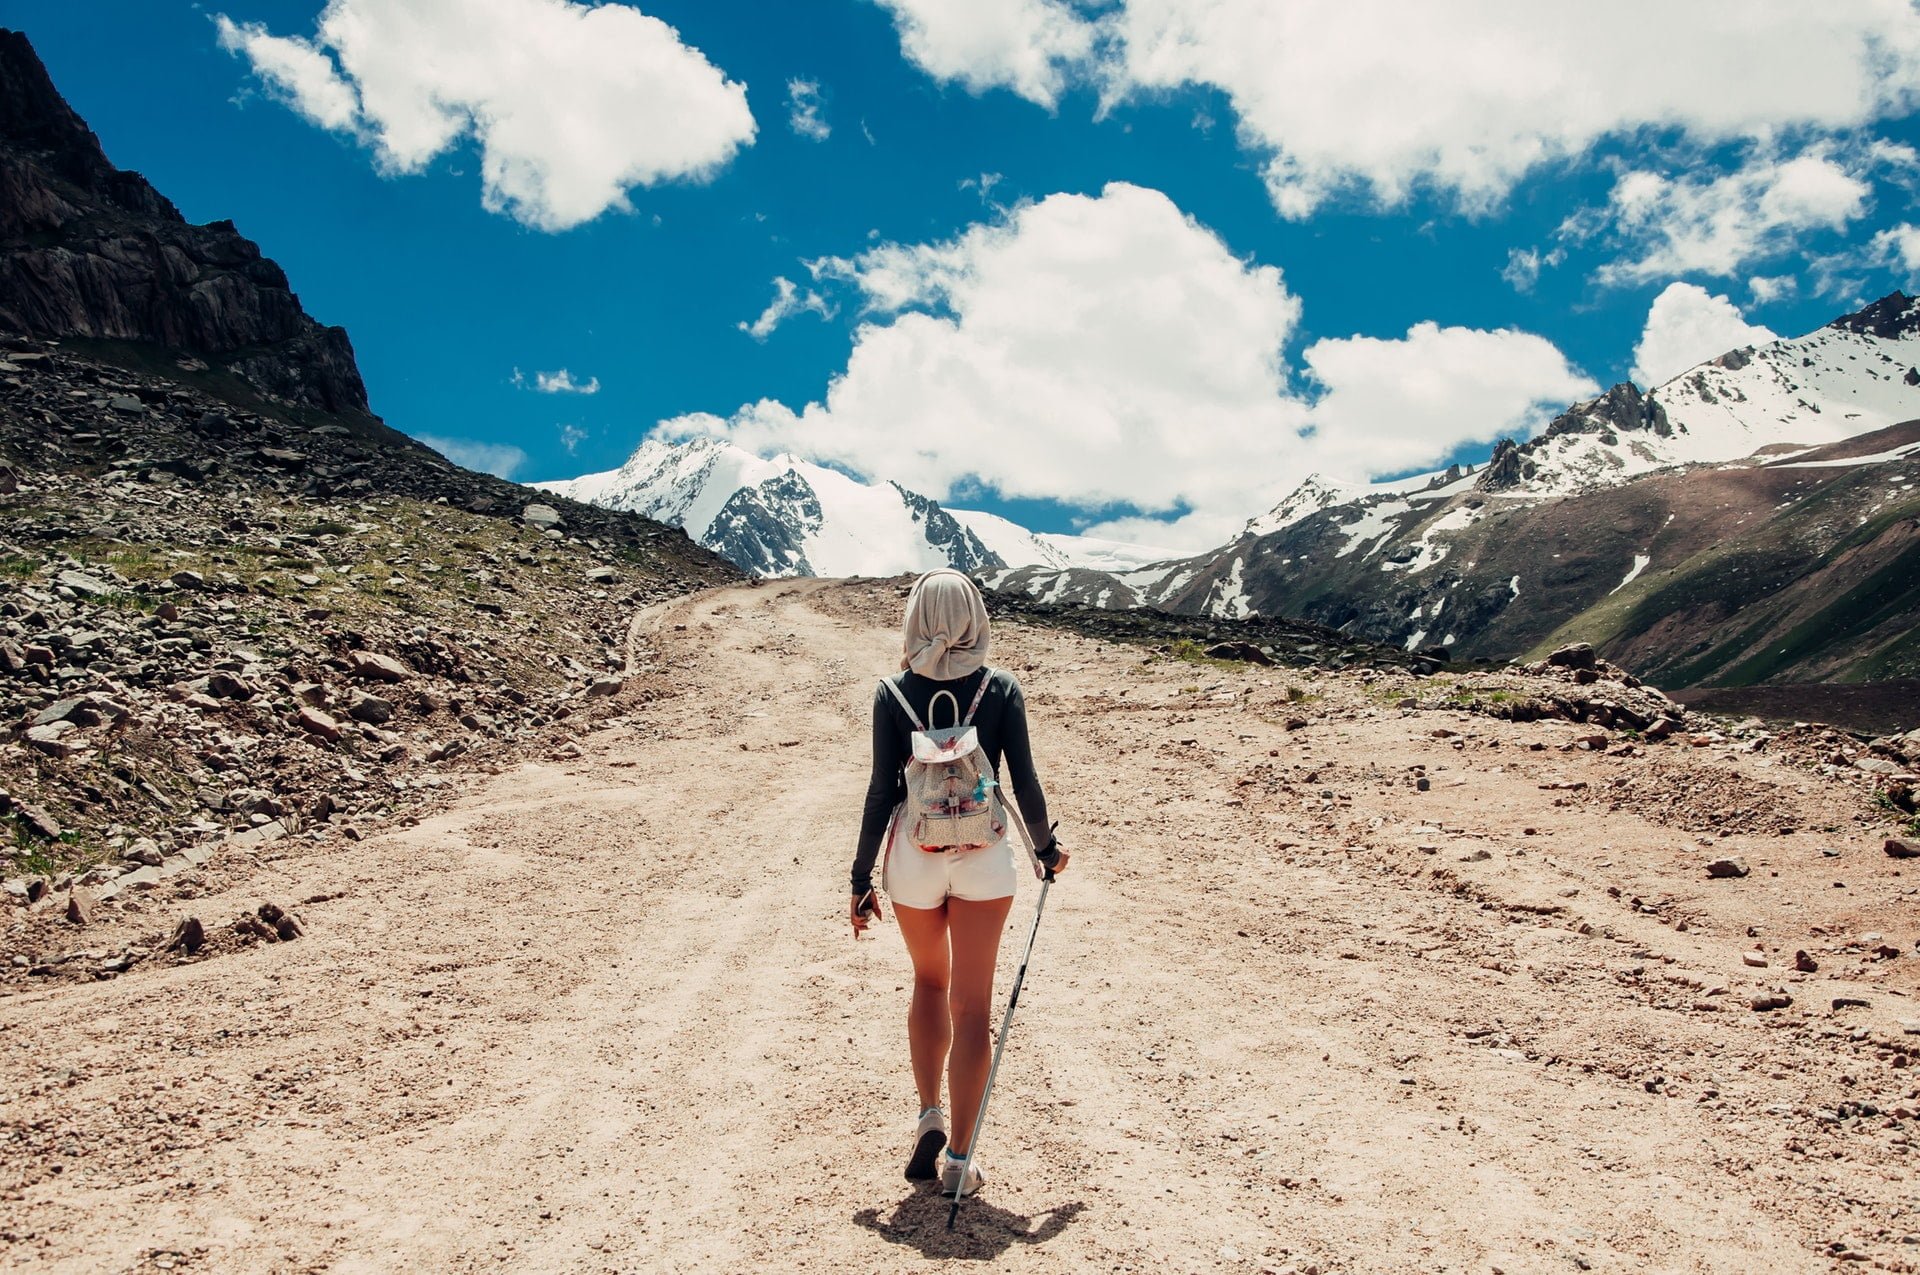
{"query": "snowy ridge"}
pixel 784 516
pixel 1771 403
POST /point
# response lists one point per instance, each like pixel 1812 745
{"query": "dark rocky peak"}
pixel 1892 316
pixel 1506 469
pixel 33 115
pixel 1623 407
pixel 965 551
pixel 35 120
pixel 90 251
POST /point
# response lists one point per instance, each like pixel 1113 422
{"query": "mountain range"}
pixel 1748 520
pixel 788 517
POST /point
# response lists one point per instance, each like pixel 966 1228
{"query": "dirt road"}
pixel 1291 1010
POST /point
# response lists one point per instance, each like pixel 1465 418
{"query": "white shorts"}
pixel 916 878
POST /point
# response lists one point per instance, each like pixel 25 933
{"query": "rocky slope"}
pixel 233 603
pixel 214 620
pixel 90 251
pixel 1646 524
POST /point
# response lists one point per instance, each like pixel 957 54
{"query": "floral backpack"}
pixel 953 801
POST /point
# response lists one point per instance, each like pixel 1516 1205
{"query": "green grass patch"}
pixel 1908 820
pixel 21 566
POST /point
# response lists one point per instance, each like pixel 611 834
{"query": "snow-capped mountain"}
pixel 788 517
pixel 1614 496
pixel 1851 377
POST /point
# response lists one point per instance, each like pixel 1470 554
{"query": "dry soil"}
pixel 1291 1009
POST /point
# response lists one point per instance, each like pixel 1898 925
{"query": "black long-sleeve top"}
pixel 1002 726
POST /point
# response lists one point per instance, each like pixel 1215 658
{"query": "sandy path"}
pixel 604 1014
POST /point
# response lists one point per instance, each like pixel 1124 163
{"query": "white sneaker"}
pixel 929 1136
pixel 951 1167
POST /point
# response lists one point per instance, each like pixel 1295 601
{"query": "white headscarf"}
pixel 945 636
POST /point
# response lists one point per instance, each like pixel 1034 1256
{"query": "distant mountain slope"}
pixel 789 517
pixel 1636 521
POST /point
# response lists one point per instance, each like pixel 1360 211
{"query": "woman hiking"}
pixel 951 901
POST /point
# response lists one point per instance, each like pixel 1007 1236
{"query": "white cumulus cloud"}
pixel 1029 46
pixel 1407 403
pixel 1379 96
pixel 1717 223
pixel 1110 352
pixel 562 382
pixel 1686 326
pixel 570 105
pixel 1898 246
pixel 1524 265
pixel 502 460
pixel 804 105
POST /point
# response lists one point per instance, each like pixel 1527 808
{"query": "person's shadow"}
pixel 982 1232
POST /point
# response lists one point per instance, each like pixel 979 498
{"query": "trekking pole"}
pixel 980 1121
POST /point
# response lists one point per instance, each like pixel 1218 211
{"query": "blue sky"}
pixel 1264 246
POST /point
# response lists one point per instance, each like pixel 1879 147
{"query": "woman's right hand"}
pixel 862 917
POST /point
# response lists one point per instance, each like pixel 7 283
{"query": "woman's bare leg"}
pixel 929 1030
pixel 975 927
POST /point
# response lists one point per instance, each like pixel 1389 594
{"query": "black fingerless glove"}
pixel 1049 854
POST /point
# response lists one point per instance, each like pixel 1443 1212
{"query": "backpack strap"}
pixel 906 707
pixel 986 677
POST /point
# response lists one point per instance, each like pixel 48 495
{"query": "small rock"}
pixel 189 580
pixel 1246 651
pixel 49 739
pixel 545 517
pixel 603 575
pixel 1805 963
pixel 1849 1002
pixel 377 667
pixel 1902 848
pixel 1758 960
pixel 87 586
pixel 224 685
pixel 189 936
pixel 1731 866
pixel 37 820
pixel 1574 655
pixel 606 686
pixel 82 907
pixel 146 850
pixel 370 709
pixel 286 926
pixel 1770 1000
pixel 315 722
